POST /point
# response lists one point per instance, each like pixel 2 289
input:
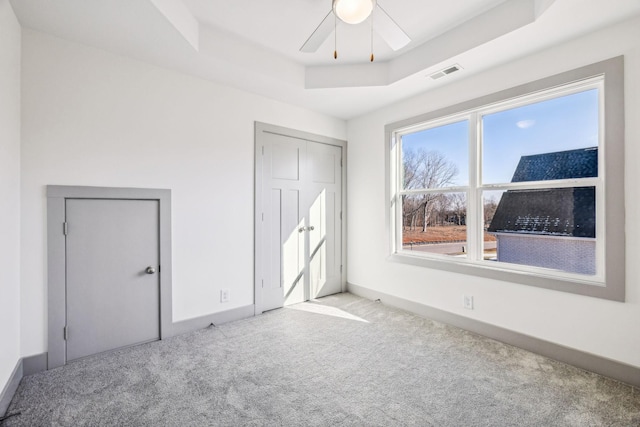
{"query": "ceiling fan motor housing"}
pixel 353 11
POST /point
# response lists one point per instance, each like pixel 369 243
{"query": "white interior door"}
pixel 112 287
pixel 323 207
pixel 300 230
pixel 283 241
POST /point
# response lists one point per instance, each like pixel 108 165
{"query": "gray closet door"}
pixel 301 230
pixel 112 256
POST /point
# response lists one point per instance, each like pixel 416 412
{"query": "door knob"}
pixel 150 270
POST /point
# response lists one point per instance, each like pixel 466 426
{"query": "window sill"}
pixel 571 285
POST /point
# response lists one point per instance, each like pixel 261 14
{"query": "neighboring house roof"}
pixel 555 211
pixel 581 163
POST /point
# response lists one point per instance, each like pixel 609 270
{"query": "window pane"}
pixel 553 139
pixel 551 228
pixel 490 201
pixel 436 157
pixel 435 223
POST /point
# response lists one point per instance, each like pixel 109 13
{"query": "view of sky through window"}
pixel 564 123
pixel 560 124
pixel 451 141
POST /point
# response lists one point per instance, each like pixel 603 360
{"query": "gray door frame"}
pixel 260 129
pixel 56 257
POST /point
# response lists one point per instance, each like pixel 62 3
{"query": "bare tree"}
pixel 439 210
pixel 458 203
pixel 424 169
pixel 490 207
pixel 411 166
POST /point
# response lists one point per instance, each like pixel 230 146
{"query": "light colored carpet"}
pixel 340 360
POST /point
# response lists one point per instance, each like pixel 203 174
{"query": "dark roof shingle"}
pixel 581 163
pixel 555 211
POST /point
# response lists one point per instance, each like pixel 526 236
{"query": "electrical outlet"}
pixel 467 302
pixel 224 295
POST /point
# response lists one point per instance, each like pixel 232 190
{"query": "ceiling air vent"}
pixel 445 71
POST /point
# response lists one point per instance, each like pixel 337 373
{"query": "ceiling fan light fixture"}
pixel 352 11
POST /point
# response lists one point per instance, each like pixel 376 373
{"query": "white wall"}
pixel 605 328
pixel 9 191
pixel 93 118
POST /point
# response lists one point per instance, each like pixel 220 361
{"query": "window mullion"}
pixel 473 196
pixel 434 190
pixel 396 188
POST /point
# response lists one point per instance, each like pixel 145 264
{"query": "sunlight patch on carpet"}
pixel 310 307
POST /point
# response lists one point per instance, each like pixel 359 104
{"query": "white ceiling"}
pixel 284 25
pixel 254 45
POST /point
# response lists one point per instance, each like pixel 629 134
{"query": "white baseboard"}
pixel 219 318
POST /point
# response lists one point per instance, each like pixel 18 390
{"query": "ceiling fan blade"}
pixel 390 32
pixel 321 33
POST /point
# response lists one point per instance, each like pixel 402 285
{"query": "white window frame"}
pixel 609 281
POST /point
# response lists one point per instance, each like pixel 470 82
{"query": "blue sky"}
pixel 559 124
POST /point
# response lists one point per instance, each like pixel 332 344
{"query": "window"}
pixel 525 185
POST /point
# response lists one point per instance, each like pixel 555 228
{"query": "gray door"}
pixel 301 233
pixel 112 301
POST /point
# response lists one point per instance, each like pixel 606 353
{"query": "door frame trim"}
pixel 258 197
pixel 56 257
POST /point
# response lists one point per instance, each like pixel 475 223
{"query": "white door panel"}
pixel 292 243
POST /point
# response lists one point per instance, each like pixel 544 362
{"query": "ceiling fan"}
pixel 354 12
